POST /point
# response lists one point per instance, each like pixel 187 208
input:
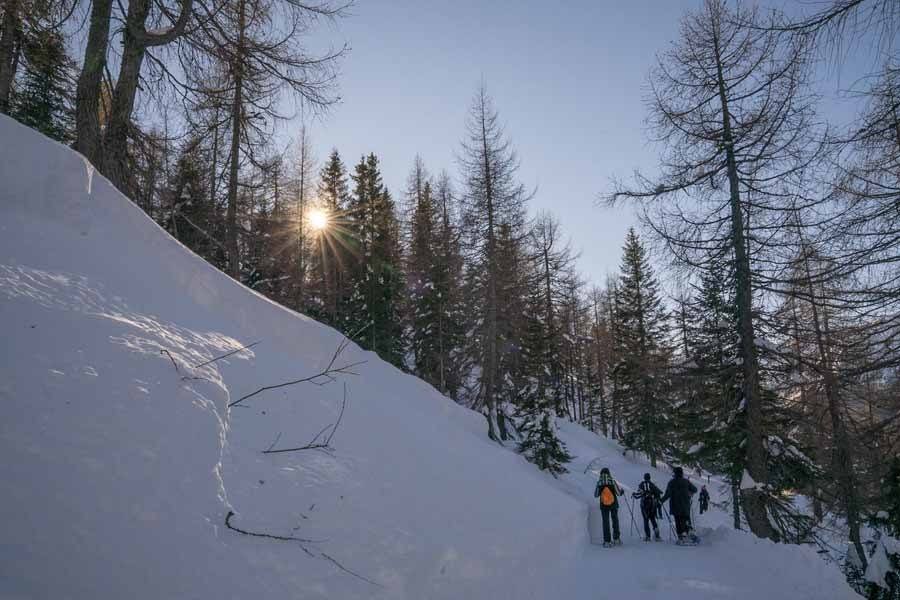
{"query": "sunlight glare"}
pixel 318 219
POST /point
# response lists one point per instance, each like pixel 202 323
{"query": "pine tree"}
pixel 709 419
pixel 494 199
pixel 276 233
pixel 330 260
pixel 43 98
pixel 538 400
pixel 514 278
pixel 301 233
pixel 448 282
pixel 553 279
pixel 191 217
pixel 433 279
pixel 541 445
pixel 641 372
pixel 376 277
pixel 890 496
pixel 600 360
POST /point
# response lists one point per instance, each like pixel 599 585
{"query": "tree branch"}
pixel 326 374
pixel 283 538
pixel 241 349
pixel 313 443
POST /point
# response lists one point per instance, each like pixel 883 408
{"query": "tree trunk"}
pixel 754 500
pixel 213 165
pixel 736 503
pixel 115 138
pixel 300 299
pixel 231 226
pixel 842 458
pixel 135 41
pixel 9 33
pixel 90 82
pixel 490 382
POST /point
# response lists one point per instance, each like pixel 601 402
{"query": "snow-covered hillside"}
pixel 118 471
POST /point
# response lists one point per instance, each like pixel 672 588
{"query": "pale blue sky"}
pixel 567 77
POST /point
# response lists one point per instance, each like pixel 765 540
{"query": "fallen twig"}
pixel 340 416
pixel 314 444
pixel 241 349
pixel 327 374
pixel 348 571
pixel 287 538
pixel 178 369
pixel 283 538
pixel 172 358
pixel 275 441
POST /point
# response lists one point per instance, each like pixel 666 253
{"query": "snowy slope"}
pixel 118 473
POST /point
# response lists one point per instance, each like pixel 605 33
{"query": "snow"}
pixel 747 482
pixel 159 31
pixel 765 344
pixel 880 563
pixel 853 555
pixel 118 471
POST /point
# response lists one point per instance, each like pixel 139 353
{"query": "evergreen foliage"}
pixel 434 270
pixel 45 91
pixel 331 257
pixel 642 346
pixel 375 279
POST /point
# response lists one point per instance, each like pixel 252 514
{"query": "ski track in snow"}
pixel 119 470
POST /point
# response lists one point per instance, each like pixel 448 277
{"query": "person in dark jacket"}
pixel 608 491
pixel 649 496
pixel 678 493
pixel 704 499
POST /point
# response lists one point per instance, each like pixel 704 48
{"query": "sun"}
pixel 318 219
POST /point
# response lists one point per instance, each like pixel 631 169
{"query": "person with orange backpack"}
pixel 608 491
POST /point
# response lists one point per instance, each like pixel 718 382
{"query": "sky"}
pixel 568 79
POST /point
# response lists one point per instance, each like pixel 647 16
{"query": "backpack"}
pixel 648 499
pixel 607 498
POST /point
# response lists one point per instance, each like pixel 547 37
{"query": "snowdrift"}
pixel 120 461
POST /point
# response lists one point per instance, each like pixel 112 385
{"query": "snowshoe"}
pixel 646 539
pixel 617 542
pixel 607 544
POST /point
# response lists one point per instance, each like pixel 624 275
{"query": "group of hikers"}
pixel 678 492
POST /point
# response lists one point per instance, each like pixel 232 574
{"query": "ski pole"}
pixel 669 519
pixel 633 524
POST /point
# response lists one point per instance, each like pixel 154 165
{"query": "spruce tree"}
pixel 515 274
pixel 421 260
pixel 375 277
pixel 709 418
pixel 192 218
pixel 448 283
pixel 641 372
pixel 43 98
pixel 541 445
pixel 433 280
pixel 330 259
pixel 537 400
